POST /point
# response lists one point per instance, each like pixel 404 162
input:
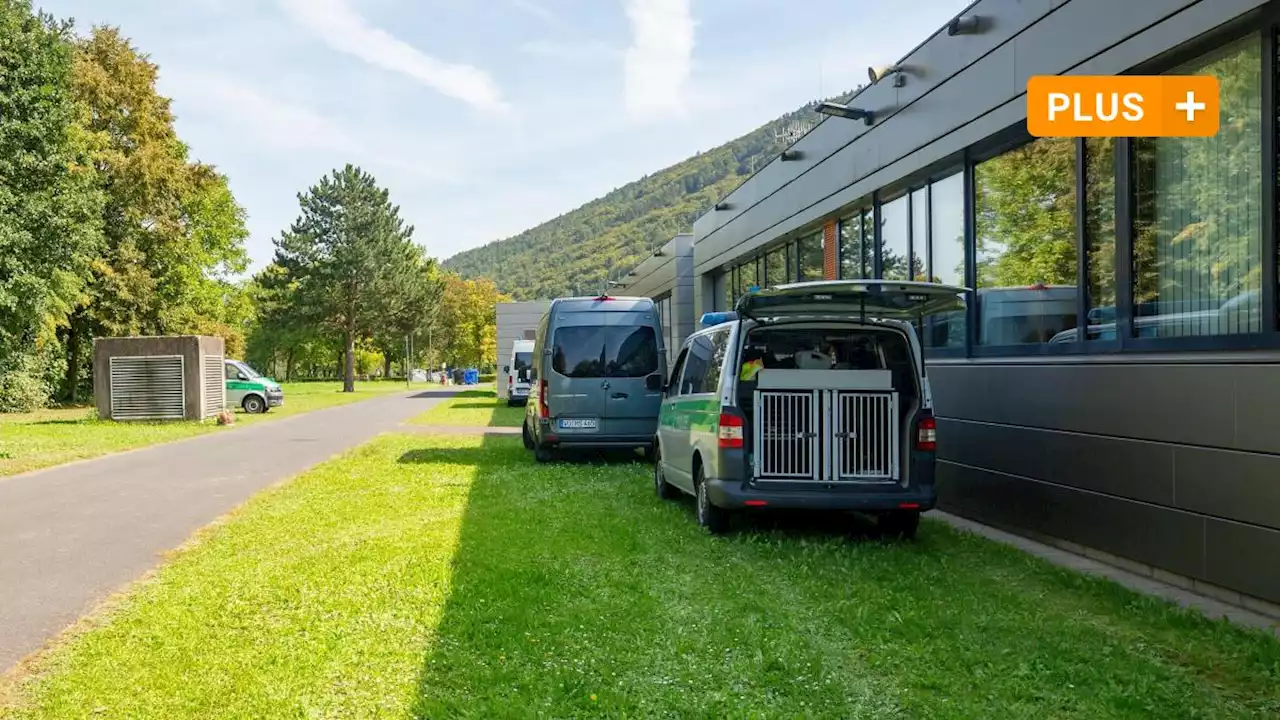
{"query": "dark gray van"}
pixel 597 376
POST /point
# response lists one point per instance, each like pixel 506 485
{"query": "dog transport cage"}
pixel 826 426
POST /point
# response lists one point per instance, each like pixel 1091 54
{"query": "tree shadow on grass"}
pixel 572 587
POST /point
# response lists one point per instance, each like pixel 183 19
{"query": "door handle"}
pixel 620 396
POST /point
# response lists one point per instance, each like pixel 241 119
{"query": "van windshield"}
pixel 609 351
pixel 523 360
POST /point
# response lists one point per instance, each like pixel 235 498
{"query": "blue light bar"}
pixel 717 318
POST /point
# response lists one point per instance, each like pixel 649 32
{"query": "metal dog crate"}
pixel 826 426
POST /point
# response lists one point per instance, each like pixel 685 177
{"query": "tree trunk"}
pixel 288 365
pixel 73 363
pixel 349 376
pixel 386 368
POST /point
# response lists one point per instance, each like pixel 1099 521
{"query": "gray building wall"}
pixel 516 321
pixel 1166 459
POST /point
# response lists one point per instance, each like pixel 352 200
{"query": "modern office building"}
pixel 1114 382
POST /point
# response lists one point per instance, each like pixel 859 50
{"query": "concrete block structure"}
pixel 159 378
pixel 516 321
pixel 1113 380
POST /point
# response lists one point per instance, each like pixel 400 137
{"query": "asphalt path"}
pixel 72 535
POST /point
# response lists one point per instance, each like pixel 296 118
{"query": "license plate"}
pixel 522 391
pixel 578 423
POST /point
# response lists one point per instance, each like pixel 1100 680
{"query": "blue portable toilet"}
pixel 471 377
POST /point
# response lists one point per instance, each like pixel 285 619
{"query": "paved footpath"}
pixel 72 535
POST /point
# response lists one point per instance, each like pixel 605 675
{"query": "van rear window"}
pixel 605 351
pixel 523 360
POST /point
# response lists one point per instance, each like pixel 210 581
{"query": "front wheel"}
pixel 526 437
pixel 254 404
pixel 714 519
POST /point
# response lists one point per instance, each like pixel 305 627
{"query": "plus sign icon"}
pixel 1122 106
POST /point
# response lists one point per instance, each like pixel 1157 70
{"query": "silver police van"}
pixel 597 374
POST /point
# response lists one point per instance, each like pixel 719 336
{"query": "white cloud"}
pixel 659 61
pixel 344 30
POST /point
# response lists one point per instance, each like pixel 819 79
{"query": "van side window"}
pixel 673 386
pixel 719 348
pixel 697 367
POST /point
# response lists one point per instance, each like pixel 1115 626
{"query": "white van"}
pixel 517 372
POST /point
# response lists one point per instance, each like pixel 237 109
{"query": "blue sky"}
pixel 487 117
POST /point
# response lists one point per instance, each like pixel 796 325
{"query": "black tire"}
pixel 511 403
pixel 254 404
pixel 900 523
pixel 650 452
pixel 664 489
pixel 543 454
pixel 714 519
pixel 526 437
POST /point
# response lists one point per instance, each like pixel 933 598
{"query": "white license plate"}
pixel 522 391
pixel 578 423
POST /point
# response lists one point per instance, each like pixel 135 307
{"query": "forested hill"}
pixel 575 252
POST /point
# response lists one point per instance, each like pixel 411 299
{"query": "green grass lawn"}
pixel 30 441
pixel 474 408
pixel 440 577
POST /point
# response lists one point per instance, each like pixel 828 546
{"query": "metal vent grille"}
pixel 786 435
pixel 147 388
pixel 215 384
pixel 866 440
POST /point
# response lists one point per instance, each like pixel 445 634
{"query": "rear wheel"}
pixel 664 489
pixel 714 519
pixel 526 437
pixel 254 404
pixel 543 454
pixel 900 523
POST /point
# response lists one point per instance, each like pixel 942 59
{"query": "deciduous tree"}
pixel 49 205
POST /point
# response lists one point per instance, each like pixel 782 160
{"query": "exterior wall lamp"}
pixel 846 112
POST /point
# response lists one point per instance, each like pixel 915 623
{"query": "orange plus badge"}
pixel 1122 106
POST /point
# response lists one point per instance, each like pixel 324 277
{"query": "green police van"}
pixel 249 389
pixel 807 396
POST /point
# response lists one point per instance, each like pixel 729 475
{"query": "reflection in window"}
pixel 1024 206
pixel 946 256
pixel 919 232
pixel 776 267
pixel 1197 250
pixel 855 249
pixel 894 226
pixel 1100 236
pixel 810 252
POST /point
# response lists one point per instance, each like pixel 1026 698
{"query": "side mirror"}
pixel 654 382
pixel 506 368
pixel 242 376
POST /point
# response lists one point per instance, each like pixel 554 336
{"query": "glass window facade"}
pixel 895 238
pixel 809 251
pixel 919 233
pixel 856 246
pixel 1197 235
pixel 1025 210
pixel 1091 245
